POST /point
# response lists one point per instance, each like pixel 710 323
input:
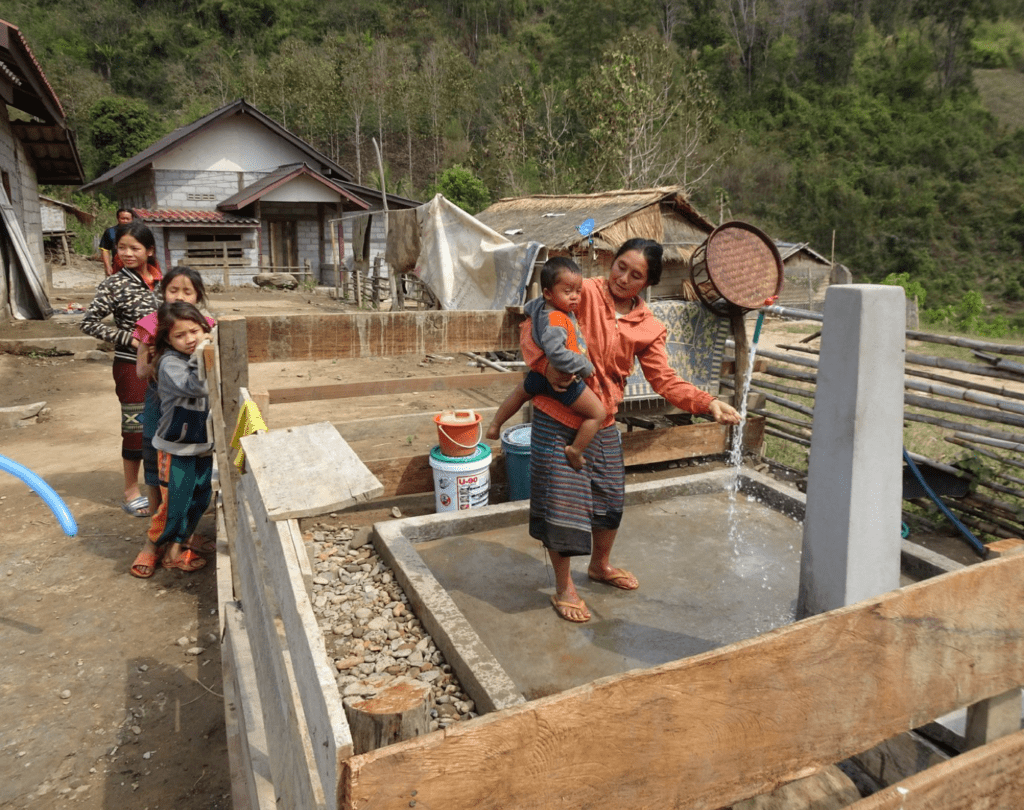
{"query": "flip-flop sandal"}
pixel 188 561
pixel 201 544
pixel 562 609
pixel 137 507
pixel 613 579
pixel 144 560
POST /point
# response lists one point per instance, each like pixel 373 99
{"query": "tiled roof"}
pixel 178 216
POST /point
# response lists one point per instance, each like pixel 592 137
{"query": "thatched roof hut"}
pixel 663 214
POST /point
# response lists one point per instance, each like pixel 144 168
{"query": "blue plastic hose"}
pixel 44 491
pixel 974 542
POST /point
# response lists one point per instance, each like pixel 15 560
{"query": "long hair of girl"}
pixel 192 275
pixel 167 316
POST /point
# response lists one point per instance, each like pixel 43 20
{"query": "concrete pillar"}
pixel 851 545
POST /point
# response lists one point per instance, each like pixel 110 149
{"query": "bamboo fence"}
pixel 983 422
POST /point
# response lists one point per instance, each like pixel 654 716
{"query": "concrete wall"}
pixel 195 190
pixel 234 144
pixel 24 193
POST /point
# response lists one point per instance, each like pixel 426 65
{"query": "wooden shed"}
pixel 807 276
pixel 556 221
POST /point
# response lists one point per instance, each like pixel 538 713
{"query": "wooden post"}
pixel 742 349
pixel 376 282
pixel 399 712
pixel 227 274
pixel 1000 715
pixel 234 365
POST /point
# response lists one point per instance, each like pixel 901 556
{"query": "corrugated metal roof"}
pixel 787 249
pixel 173 139
pixel 553 220
pixel 280 177
pixel 46 138
pixel 178 216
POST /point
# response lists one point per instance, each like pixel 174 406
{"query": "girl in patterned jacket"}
pixel 128 295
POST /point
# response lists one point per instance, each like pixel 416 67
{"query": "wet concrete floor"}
pixel 712 571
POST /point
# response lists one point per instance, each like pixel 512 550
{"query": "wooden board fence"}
pixel 719 727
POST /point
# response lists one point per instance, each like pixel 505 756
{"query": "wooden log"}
pixel 719 727
pixel 966 343
pixel 451 382
pixel 1001 391
pixel 792 374
pixel 1016 446
pixel 911 416
pixel 771 416
pixel 789 437
pixel 959 365
pixel 986 415
pixel 981 451
pixel 398 712
pixel 785 403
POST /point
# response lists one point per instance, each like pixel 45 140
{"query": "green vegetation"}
pixel 894 128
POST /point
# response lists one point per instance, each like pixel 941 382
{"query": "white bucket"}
pixel 461 483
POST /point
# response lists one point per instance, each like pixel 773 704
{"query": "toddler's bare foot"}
pixel 575 457
pixel 493 433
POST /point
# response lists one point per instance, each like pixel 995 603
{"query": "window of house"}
pixel 215 250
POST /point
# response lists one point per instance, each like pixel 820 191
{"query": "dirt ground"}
pixel 110 687
pixel 110 690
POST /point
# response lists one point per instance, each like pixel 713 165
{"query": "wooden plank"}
pixel 986 778
pixel 316 688
pixel 409 475
pixel 226 476
pixel 233 365
pixel 293 766
pixel 222 562
pixel 406 475
pixel 347 335
pixel 668 444
pixel 252 787
pixel 710 730
pixel 307 470
pixel 374 388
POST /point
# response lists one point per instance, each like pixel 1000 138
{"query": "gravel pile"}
pixel 370 631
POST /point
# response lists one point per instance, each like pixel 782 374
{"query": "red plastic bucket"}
pixel 458 432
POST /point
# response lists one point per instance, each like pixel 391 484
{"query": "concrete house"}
pixel 36 147
pixel 235 193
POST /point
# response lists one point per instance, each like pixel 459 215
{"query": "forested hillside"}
pixel 890 129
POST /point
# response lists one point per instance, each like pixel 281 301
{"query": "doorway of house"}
pixel 284 247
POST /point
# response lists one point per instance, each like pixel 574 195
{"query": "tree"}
pixel 120 128
pixel 352 66
pixel 949 27
pixel 648 113
pixel 460 186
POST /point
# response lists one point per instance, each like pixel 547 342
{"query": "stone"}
pixel 278 281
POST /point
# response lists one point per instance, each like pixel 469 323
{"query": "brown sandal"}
pixel 144 560
pixel 187 561
pixel 201 544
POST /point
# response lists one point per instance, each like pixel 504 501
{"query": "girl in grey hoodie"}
pixel 184 449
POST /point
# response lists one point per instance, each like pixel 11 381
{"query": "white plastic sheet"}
pixel 468 265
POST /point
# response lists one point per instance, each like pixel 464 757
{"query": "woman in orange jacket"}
pixel 576 513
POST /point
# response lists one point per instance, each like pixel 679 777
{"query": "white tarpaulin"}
pixel 466 264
